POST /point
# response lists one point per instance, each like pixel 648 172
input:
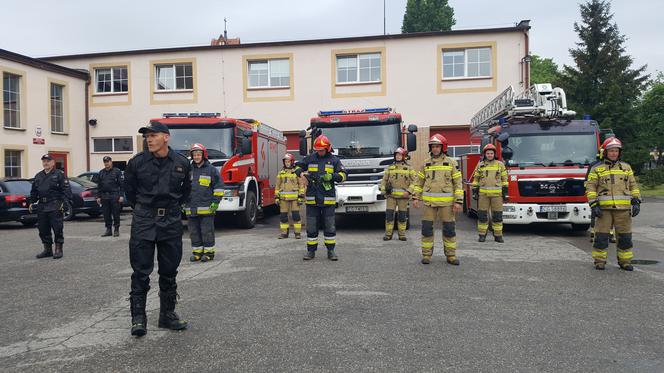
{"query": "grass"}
pixel 657 191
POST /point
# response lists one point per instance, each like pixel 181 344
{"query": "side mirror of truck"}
pixel 245 147
pixel 507 153
pixel 411 142
pixel 412 128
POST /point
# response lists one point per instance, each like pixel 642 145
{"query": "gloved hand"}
pixel 476 193
pixel 326 177
pixel 388 189
pixel 300 200
pixel 596 210
pixel 214 206
pixel 505 194
pixel 636 207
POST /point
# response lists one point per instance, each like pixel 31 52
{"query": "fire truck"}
pixel 364 140
pixel 246 152
pixel 547 153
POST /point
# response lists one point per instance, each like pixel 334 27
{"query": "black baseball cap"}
pixel 154 127
pixel 46 156
pixel 107 159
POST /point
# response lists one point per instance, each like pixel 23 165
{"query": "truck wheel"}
pixel 68 211
pixel 580 227
pixel 248 216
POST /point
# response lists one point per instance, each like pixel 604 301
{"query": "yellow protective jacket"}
pixel 289 186
pixel 438 183
pixel 399 176
pixel 612 185
pixel 490 177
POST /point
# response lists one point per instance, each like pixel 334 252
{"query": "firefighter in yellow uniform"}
pixel 490 186
pixel 396 181
pixel 438 185
pixel 289 195
pixel 614 198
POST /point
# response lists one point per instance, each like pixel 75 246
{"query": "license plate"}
pixel 553 209
pixel 552 215
pixel 357 208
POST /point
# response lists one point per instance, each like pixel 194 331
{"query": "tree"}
pixel 543 70
pixel 602 82
pixel 649 126
pixel 427 15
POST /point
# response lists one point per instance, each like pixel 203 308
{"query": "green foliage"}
pixel 652 178
pixel 427 15
pixel 543 70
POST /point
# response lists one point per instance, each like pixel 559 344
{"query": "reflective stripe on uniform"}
pixel 456 174
pixel 617 200
pixel 438 168
pixel 491 190
pixel 437 197
pixel 313 167
pixel 420 175
pixel 330 201
pixel 343 176
pixel 204 180
pixel 218 192
pixel 427 245
pixel 311 200
pixel 286 195
pixel 330 240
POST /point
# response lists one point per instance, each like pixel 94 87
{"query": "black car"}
pixel 92 177
pixel 14 195
pixel 84 198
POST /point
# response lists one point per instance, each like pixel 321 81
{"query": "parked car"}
pixel 14 195
pixel 84 198
pixel 92 177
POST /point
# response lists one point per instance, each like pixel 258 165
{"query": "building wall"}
pixel 410 83
pixel 35 114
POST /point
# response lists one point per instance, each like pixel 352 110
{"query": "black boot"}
pixel 332 255
pixel 309 255
pixel 116 232
pixel 139 320
pixel 498 239
pixel 167 317
pixel 626 267
pixel 482 238
pixel 600 266
pixel 107 233
pixel 58 251
pixel 48 251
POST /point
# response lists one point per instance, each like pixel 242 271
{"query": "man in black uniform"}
pixel 50 191
pixel 157 184
pixel 109 196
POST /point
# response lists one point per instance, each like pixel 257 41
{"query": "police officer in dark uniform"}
pixel 323 169
pixel 157 184
pixel 109 196
pixel 50 191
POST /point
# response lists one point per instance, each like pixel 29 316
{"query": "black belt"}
pixel 47 200
pixel 157 211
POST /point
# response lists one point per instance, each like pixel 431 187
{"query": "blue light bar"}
pixel 356 111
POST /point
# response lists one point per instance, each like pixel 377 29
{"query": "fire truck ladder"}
pixel 541 101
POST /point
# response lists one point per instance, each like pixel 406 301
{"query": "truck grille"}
pixel 552 188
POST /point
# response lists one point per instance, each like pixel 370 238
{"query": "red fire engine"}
pixel 547 153
pixel 246 152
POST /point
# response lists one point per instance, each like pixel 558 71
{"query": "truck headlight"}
pixel 509 208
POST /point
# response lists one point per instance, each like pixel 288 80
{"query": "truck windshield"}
pixel 218 141
pixel 365 140
pixel 552 150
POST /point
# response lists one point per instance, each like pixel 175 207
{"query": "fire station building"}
pixel 436 80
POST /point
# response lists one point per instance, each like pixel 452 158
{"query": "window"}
pixel 111 80
pixel 269 73
pixel 358 68
pixel 174 77
pixel 113 145
pixel 57 108
pixel 12 163
pixel 459 150
pixel 467 63
pixel 11 100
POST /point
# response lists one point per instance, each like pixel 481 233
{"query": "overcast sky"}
pixel 40 28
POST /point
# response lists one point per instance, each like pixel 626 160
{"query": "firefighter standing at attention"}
pixel 289 194
pixel 396 181
pixel 490 187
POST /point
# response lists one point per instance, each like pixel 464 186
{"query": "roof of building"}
pixel 520 27
pixel 42 65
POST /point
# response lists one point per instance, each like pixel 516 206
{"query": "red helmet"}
pixel 322 143
pixel 489 147
pixel 610 143
pixel 288 157
pixel 200 147
pixel 438 139
pixel 402 151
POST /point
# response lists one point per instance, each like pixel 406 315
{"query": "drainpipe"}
pixel 87 126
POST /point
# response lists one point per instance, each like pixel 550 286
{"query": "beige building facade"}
pixel 436 79
pixel 43 111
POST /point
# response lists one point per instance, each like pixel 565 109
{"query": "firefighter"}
pixel 109 196
pixel 323 169
pixel 206 192
pixel 289 195
pixel 612 234
pixel 50 191
pixel 396 181
pixel 490 186
pixel 438 185
pixel 615 199
pixel 157 184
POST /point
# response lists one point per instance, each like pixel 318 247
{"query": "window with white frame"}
pixel 467 63
pixel 459 150
pixel 13 163
pixel 174 77
pixel 57 108
pixel 11 100
pixel 358 68
pixel 113 145
pixel 111 80
pixel 269 73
